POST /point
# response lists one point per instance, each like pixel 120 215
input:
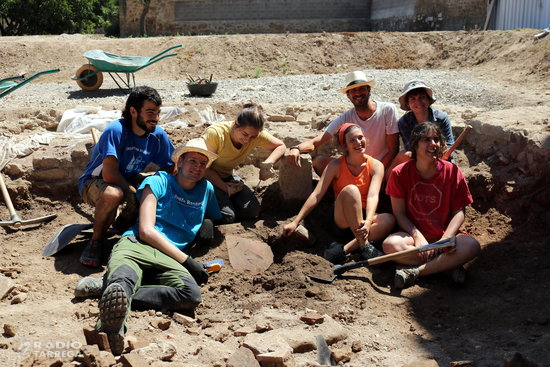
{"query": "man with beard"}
pixel 378 120
pixel 123 151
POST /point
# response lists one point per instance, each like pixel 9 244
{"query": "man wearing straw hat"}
pixel 148 266
pixel 378 120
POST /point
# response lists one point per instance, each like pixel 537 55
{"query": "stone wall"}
pixel 189 17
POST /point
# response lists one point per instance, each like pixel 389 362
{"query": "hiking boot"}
pixel 113 309
pixel 405 276
pixel 458 275
pixel 89 287
pixel 91 256
pixel 370 252
pixel 335 253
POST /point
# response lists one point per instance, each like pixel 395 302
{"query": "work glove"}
pixel 266 171
pixel 196 269
pixel 234 187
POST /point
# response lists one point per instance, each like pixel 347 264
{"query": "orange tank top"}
pixel 362 181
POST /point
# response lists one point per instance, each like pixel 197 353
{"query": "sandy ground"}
pixel 502 309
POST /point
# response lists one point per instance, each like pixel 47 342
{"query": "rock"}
pixel 154 351
pixel 244 331
pixel 279 358
pixel 6 286
pixel 183 320
pixel 296 183
pixel 91 356
pixel 161 323
pixel 305 118
pixel 9 330
pixel 243 357
pixel 133 360
pixel 356 346
pixel 280 118
pixel 94 337
pixel 340 355
pixel 20 298
pixel 135 343
pixel 312 318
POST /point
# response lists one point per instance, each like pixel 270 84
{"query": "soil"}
pixel 502 309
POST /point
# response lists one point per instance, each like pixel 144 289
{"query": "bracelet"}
pixel 294 147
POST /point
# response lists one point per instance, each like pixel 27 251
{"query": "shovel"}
pixel 15 221
pixel 447 243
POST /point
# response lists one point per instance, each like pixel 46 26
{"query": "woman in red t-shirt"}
pixel 356 179
pixel 429 196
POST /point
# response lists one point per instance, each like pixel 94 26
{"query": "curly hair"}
pixel 422 130
pixel 137 97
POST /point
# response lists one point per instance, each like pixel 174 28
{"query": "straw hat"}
pixel 197 145
pixel 411 85
pixel 357 79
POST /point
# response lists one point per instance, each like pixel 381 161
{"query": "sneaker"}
pixel 335 253
pixel 370 252
pixel 91 256
pixel 113 309
pixel 405 276
pixel 89 287
pixel 458 275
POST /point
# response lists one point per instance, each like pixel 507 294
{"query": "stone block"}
pixel 6 286
pixel 243 357
pixel 279 358
pixel 312 318
pixel 295 183
pixel 184 320
pixel 133 360
pixel 93 337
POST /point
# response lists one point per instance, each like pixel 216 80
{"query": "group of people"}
pixel 167 213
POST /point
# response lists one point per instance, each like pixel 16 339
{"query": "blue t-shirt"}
pixel 407 122
pixel 180 212
pixel 132 152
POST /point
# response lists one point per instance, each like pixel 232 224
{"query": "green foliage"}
pixel 23 17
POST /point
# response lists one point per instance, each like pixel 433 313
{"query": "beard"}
pixel 360 102
pixel 143 125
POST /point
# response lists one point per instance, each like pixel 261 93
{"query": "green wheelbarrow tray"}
pixel 89 76
pixel 8 85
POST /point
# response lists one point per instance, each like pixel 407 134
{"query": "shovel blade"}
pixel 323 280
pixel 63 237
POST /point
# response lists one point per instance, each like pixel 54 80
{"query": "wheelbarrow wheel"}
pixel 89 78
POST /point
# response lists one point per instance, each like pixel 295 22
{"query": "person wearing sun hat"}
pixel 149 266
pixel 416 99
pixel 378 120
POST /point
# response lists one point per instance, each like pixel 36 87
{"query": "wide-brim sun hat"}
pixel 357 79
pixel 197 145
pixel 412 85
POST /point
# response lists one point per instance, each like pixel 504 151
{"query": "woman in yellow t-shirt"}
pixel 233 142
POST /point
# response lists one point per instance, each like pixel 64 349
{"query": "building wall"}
pixel 167 17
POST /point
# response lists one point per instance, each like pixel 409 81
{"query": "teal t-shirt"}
pixel 180 212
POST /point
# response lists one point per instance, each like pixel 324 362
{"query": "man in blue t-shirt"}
pixel 123 151
pixel 149 266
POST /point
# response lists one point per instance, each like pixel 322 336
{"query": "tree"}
pixel 21 17
pixel 145 3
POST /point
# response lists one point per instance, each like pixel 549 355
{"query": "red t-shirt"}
pixel 430 203
pixel 362 181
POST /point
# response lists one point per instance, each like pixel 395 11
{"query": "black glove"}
pixel 196 269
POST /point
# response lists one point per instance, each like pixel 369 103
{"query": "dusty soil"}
pixel 502 309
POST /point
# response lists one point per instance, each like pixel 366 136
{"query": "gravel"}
pixel 450 88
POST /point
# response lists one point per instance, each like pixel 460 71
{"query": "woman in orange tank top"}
pixel 356 179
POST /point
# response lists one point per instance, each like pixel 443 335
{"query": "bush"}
pixel 25 17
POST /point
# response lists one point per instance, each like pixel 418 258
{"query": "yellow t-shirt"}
pixel 229 157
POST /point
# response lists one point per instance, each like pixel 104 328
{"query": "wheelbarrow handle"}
pixel 165 51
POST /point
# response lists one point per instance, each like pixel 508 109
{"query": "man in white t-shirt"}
pixel 377 119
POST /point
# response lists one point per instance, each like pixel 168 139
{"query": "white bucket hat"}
pixel 197 145
pixel 411 85
pixel 357 79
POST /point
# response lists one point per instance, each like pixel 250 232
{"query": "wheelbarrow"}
pixel 90 76
pixel 8 85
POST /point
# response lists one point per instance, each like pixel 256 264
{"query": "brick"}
pixel 312 318
pixel 93 337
